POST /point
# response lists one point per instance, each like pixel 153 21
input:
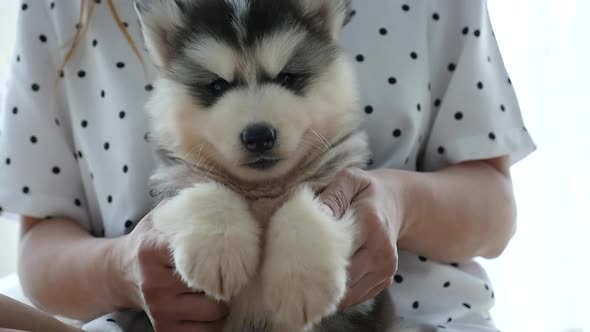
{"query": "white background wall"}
pixel 543 280
pixel 8 229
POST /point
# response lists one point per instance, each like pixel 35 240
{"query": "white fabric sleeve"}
pixel 477 115
pixel 39 174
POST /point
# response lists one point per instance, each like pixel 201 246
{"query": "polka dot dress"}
pixel 434 92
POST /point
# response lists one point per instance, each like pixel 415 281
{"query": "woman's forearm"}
pixel 67 272
pixel 464 211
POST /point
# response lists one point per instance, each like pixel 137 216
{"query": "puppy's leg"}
pixel 304 271
pixel 213 237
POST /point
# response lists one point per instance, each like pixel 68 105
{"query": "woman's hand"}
pixel 379 220
pixel 147 266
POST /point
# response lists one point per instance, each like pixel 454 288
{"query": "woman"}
pixel 444 125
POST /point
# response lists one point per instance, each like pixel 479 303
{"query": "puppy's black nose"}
pixel 259 138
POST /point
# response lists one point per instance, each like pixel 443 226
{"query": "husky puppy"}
pixel 254 111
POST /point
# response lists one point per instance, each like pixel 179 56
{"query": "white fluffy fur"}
pixel 304 270
pixel 214 239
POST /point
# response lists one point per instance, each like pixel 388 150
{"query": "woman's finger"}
pixel 341 191
pixel 357 293
pixel 359 266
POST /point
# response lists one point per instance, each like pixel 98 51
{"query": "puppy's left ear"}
pixel 160 20
pixel 331 15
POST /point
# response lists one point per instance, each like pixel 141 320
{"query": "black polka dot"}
pixel 107 145
pixel 414 55
pixel 61 74
pixel 128 224
pixel 7 161
pixel 467 305
pixel 77 202
pixel 43 38
pixel 455 264
pixel 352 13
pixel 97 2
pixel 480 85
pixel 493 295
pixel 458 116
pixel 125 24
pixel 447 284
pixel 489 58
pixel 122 115
pixel 146 137
pixel 81 74
pixel 111 320
pixel 492 136
pixel 55 170
pixel 24 6
pixel 422 258
pixel 441 150
pixel 369 109
pixel 84 124
pixel 94 42
pixel 503 108
pixel 26 190
pixel 15 110
pixel 125 168
pixel 436 16
pixel 419 107
pixel 80 155
pixel 397 133
pixel 452 67
pixel 416 305
pixel 35 87
pixel 78 26
pixel 149 88
pixel 405 7
pixel 383 31
pixel 34 139
pixel 56 122
pixel 52 5
pixel 441 327
pixel 102 94
pixel 398 278
pixel 18 58
pixel 110 199
pixel 509 81
pixel 437 103
pixel 120 65
pixel 486 286
pixel 476 33
pixel 360 58
pixel 392 80
pixel 449 320
pixel 465 30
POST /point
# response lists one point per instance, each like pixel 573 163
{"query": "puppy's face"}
pixel 253 87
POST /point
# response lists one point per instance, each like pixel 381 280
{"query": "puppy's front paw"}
pixel 213 237
pixel 304 271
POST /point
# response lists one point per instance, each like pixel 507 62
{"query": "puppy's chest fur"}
pixel 263 198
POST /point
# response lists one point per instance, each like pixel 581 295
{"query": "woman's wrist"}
pixel 397 199
pixel 120 275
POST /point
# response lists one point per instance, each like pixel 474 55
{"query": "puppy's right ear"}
pixel 160 20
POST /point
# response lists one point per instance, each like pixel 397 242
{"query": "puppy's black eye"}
pixel 219 87
pixel 285 79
